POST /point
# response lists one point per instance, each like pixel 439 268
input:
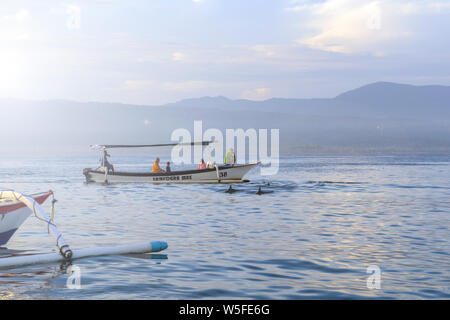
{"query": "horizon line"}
pixel 215 97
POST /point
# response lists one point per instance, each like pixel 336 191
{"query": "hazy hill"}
pixel 391 99
pixel 380 99
pixel 380 117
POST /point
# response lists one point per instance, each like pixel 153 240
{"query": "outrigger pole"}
pixel 143 247
pixel 65 253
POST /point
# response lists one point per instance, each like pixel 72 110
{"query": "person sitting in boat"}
pixel 230 158
pixel 168 166
pixel 202 164
pixel 210 165
pixel 106 163
pixel 156 168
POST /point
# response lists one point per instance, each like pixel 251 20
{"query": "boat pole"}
pixel 106 175
pixel 104 167
pixel 217 172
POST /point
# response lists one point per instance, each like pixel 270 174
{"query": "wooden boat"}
pixel 13 214
pixel 221 174
pixel 216 174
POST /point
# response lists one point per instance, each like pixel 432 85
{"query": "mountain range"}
pixel 381 117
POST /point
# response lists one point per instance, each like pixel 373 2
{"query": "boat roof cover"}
pixel 111 146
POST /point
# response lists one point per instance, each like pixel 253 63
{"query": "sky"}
pixel 153 52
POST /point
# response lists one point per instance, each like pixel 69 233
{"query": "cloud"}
pixel 149 58
pixel 14 27
pixel 347 26
pixel 20 17
pixel 137 84
pixel 177 56
pixel 359 26
pixel 256 94
pixel 265 50
pixel 187 86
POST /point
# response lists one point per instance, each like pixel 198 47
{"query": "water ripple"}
pixel 320 222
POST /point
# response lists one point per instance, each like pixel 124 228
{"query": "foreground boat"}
pixel 16 207
pixel 221 174
pixel 13 214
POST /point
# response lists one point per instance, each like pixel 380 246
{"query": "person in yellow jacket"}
pixel 156 168
pixel 230 158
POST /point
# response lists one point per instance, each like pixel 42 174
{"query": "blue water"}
pixel 323 221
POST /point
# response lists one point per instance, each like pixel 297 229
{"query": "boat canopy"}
pixel 112 146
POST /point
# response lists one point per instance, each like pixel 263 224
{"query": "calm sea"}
pixel 321 224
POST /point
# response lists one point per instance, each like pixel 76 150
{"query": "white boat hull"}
pixel 233 174
pixel 13 214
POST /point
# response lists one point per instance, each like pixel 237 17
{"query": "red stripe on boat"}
pixel 15 206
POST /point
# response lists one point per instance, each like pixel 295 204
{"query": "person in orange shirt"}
pixel 156 168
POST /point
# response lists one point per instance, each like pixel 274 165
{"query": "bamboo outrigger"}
pixel 16 207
